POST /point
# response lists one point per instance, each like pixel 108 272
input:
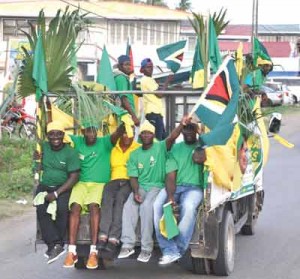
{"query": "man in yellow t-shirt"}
pixel 153 105
pixel 115 194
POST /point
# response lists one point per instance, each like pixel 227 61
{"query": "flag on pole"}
pixel 105 74
pixel 260 53
pixel 239 60
pixel 213 47
pixel 129 53
pixel 217 106
pixel 172 55
pixel 39 73
pixel 197 72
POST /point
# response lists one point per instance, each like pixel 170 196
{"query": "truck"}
pixel 232 199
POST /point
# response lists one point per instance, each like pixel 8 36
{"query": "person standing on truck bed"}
pixel 146 169
pixel 61 167
pixel 184 189
pixel 115 193
pixel 254 80
pixel 94 154
pixel 121 76
pixel 153 105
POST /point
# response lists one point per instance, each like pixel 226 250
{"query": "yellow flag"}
pixel 283 141
pixel 239 60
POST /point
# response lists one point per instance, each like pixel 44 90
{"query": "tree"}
pixel 156 3
pixel 184 5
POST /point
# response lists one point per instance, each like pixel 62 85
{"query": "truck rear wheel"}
pixel 201 266
pixel 223 265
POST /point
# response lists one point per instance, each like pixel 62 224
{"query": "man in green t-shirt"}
pixel 61 166
pixel 184 188
pixel 123 83
pixel 146 169
pixel 94 154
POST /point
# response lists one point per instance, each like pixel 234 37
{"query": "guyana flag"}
pixel 197 73
pixel 260 53
pixel 217 106
pixel 172 55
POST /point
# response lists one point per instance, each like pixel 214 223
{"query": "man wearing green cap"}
pixel 146 169
pixel 94 154
pixel 61 166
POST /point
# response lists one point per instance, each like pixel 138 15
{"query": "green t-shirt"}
pixel 58 164
pixel 95 159
pixel 123 84
pixel 180 160
pixel 149 165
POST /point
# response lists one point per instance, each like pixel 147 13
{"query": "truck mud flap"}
pixel 205 241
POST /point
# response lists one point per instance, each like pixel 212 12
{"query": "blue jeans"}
pixel 158 123
pixel 188 198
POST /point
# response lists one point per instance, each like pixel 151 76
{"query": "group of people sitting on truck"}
pixel 142 178
pixel 122 181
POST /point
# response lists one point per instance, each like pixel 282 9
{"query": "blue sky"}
pixel 240 11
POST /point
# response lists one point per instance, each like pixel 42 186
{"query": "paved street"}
pixel 272 253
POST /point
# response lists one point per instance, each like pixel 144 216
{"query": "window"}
pixel 145 33
pixel 14 27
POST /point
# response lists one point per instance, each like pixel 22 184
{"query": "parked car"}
pixel 291 84
pixel 275 97
pixel 278 86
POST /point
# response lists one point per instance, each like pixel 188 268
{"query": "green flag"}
pixel 105 74
pixel 168 224
pixel 213 48
pixel 74 59
pixel 39 73
pixel 197 72
pixel 260 52
pixel 172 55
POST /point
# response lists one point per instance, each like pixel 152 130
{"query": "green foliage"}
pixel 58 41
pixel 15 168
pixel 184 5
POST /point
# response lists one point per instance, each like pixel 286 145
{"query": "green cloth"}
pixel 52 207
pixel 39 71
pixel 168 224
pixel 123 84
pixel 180 160
pixel 94 159
pixel 105 74
pixel 213 48
pixel 149 165
pixel 58 164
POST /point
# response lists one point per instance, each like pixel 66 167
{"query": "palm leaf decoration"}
pixel 59 40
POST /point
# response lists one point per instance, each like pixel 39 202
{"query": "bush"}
pixel 15 168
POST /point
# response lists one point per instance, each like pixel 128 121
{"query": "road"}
pixel 273 252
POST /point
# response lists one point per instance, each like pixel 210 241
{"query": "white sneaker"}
pixel 125 253
pixel 167 259
pixel 144 256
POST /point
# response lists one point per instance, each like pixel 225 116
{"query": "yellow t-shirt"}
pixel 151 102
pixel 118 160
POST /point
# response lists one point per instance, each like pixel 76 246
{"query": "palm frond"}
pixel 58 42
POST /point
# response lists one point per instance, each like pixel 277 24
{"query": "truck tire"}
pixel 223 265
pixel 81 263
pixel 201 266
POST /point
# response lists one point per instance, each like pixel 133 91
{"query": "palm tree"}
pixel 184 5
pixel 59 40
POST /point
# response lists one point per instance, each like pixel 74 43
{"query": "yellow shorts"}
pixel 85 193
